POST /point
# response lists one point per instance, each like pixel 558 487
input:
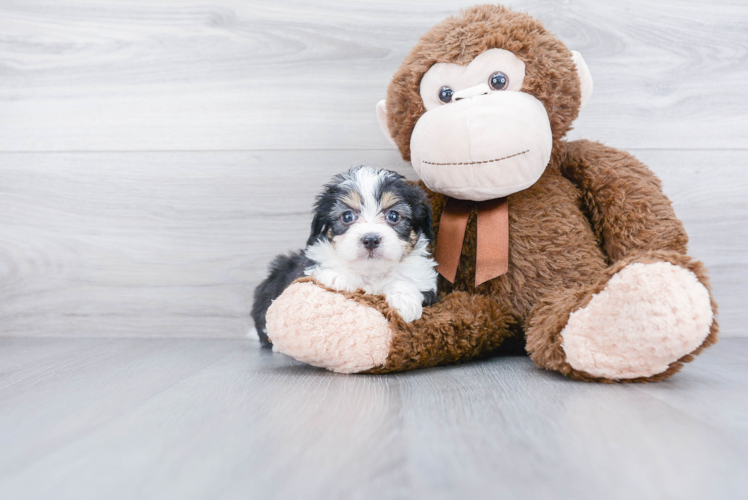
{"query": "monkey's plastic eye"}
pixel 445 94
pixel 393 217
pixel 498 81
pixel 347 217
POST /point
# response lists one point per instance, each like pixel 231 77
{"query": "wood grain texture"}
pixel 173 244
pixel 223 419
pixel 83 75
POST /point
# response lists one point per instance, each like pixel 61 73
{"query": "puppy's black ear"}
pixel 319 227
pixel 322 207
pixel 422 216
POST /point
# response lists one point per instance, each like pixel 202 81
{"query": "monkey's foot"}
pixel 646 317
pixel 329 329
pixel 640 325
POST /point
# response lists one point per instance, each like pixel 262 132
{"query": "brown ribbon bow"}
pixel 492 254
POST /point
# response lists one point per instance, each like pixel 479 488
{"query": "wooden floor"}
pixel 215 419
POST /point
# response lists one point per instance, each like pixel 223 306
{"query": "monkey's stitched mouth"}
pixel 477 162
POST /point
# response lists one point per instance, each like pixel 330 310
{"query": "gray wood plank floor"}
pixel 221 419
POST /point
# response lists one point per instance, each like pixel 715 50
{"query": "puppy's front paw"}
pixel 334 280
pixel 408 306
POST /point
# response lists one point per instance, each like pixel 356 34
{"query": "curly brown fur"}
pixel 551 243
pixel 626 204
pixel 461 327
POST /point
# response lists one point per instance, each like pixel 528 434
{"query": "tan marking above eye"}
pixel 352 199
pixel 388 199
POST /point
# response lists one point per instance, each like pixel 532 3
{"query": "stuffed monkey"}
pixel 569 249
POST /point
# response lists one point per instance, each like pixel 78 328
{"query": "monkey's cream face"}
pixel 481 137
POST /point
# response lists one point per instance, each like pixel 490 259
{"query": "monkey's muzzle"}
pixel 483 147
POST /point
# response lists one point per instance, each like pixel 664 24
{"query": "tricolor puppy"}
pixel 371 231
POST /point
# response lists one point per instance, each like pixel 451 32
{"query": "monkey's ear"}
pixel 382 117
pixel 585 78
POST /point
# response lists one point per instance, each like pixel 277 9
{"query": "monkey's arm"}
pixel 355 332
pixel 628 210
pixel 460 327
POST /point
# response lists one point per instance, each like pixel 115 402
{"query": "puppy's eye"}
pixel 393 217
pixel 348 217
pixel 445 94
pixel 498 81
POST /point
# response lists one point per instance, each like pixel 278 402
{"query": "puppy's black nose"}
pixel 370 241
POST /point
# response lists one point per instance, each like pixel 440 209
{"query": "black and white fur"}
pixel 371 231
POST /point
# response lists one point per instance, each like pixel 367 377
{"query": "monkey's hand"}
pixel 345 332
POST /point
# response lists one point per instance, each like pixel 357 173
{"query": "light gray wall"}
pixel 154 156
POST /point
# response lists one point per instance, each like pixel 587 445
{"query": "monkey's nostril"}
pixel 370 241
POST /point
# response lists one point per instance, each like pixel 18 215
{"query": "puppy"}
pixel 371 231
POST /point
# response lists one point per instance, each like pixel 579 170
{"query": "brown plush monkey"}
pixel 570 248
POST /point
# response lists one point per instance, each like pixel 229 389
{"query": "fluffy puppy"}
pixel 371 231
